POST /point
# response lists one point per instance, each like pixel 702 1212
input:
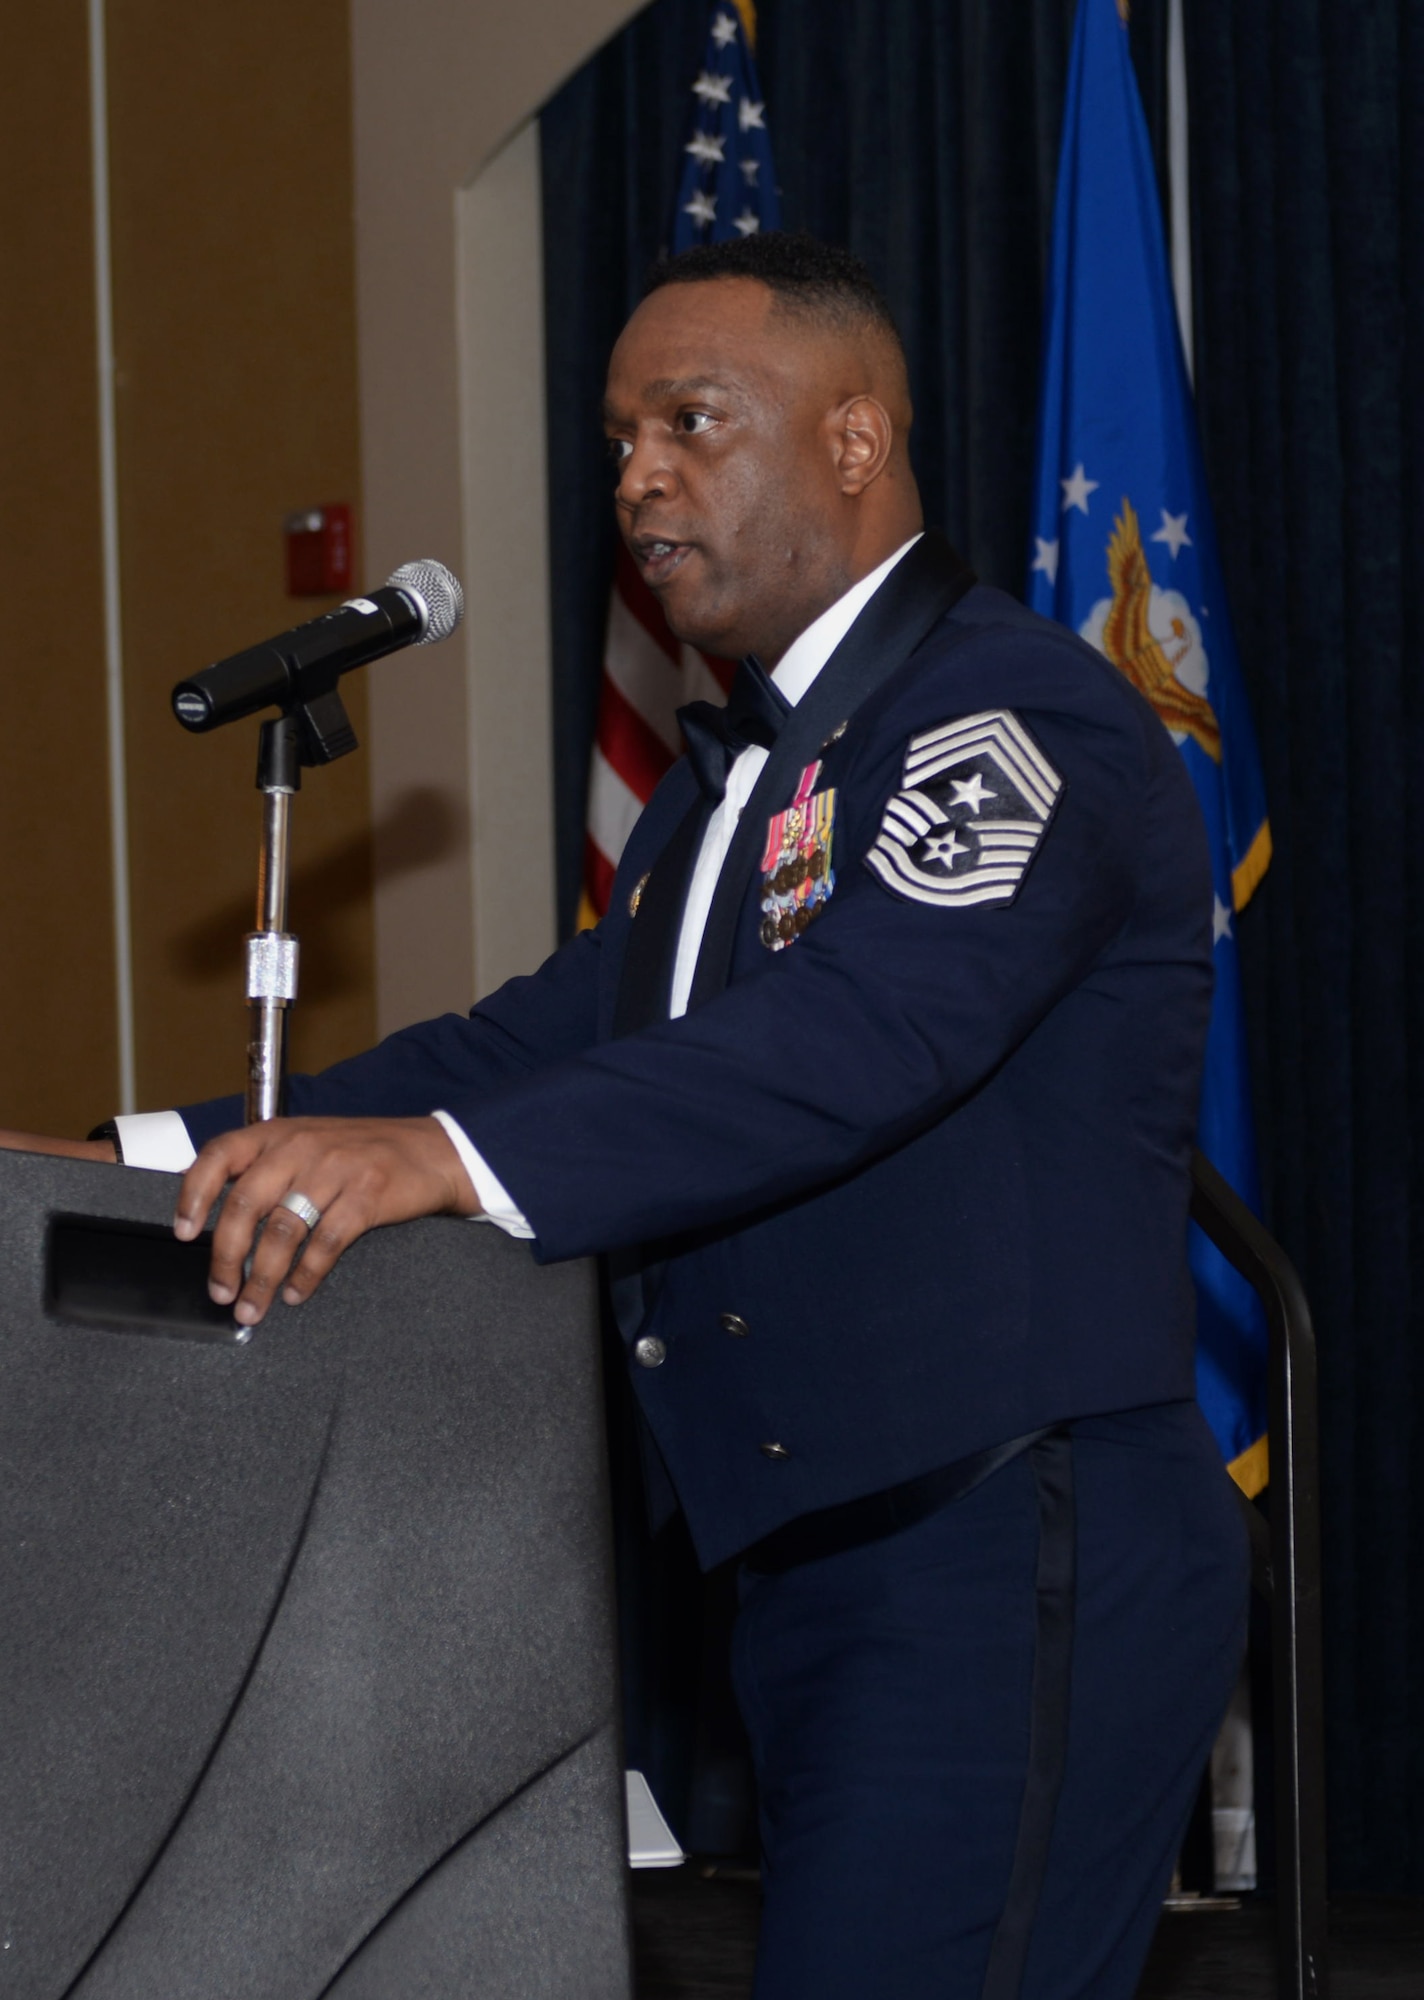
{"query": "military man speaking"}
pixel 878 1087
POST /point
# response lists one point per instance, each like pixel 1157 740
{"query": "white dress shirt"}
pixel 159 1139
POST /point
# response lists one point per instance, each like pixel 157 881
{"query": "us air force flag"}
pixel 1124 553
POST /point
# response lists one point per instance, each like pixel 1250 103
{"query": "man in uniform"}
pixel 878 1085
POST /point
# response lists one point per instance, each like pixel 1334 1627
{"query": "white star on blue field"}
pixel 728 186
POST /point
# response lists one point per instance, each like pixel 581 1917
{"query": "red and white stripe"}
pixel 647 676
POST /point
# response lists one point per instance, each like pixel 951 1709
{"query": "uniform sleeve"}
pixel 886 1013
pixel 539 1019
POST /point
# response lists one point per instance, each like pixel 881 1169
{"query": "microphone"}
pixel 298 670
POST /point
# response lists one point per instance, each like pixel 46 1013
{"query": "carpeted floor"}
pixel 696 1939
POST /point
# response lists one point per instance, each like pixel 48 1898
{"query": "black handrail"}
pixel 1286 1568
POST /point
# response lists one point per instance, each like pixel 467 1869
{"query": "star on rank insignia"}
pixel 977 801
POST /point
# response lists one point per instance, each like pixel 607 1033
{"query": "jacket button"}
pixel 650 1352
pixel 735 1324
pixel 775 1451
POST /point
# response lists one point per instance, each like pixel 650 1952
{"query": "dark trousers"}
pixel 978 1740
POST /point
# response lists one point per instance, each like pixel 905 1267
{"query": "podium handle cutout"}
pixel 132 1277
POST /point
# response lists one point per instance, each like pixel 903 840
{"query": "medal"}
pixel 796 873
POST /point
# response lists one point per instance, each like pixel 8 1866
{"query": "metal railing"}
pixel 1285 1566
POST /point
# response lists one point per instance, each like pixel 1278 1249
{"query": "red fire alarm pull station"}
pixel 318 551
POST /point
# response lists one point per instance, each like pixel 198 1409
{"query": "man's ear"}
pixel 862 438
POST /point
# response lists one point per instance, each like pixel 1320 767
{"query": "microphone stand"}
pixel 271 949
pixel 313 728
pixel 302 670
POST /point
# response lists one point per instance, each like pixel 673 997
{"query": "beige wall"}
pixel 233 326
pixel 508 655
pixel 58 1043
pixel 440 86
pixel 233 308
pixel 239 292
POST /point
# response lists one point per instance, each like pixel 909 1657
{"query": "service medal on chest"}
pixel 796 873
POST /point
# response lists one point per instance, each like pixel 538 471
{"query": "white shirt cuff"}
pixel 490 1190
pixel 155 1139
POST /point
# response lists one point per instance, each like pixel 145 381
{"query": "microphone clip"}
pixel 324 726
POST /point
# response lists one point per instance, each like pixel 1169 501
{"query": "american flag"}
pixel 727 189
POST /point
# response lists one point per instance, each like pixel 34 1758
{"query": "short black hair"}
pixel 810 277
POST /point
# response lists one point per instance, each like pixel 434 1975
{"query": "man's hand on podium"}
pixel 359 1172
pixel 70 1149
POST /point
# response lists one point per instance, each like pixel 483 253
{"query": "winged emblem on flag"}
pixel 1150 635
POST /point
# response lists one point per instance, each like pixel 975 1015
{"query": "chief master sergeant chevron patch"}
pixel 978 797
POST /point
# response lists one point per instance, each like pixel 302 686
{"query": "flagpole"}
pixel 1178 178
pixel 1231 1776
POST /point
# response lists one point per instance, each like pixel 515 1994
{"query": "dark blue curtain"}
pixel 1308 201
pixel 924 134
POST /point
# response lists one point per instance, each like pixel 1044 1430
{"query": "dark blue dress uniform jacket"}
pixel 934 1156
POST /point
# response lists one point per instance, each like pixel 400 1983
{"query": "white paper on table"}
pixel 650 1839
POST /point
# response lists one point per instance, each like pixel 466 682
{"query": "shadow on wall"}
pixel 422 826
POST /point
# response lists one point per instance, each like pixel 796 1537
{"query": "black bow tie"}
pixel 755 711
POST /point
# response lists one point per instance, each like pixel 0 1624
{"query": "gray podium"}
pixel 307 1681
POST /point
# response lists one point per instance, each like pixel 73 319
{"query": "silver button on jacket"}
pixel 650 1352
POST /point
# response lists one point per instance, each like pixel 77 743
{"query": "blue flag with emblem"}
pixel 1125 554
pixel 728 186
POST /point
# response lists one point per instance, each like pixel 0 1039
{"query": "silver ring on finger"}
pixel 304 1210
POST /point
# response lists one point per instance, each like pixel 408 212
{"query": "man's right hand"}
pixel 72 1149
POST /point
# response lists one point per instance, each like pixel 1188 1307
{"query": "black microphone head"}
pixel 437 591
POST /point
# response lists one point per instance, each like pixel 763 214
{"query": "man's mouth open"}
pixel 659 559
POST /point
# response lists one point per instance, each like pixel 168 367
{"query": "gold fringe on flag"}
pixel 1247 873
pixel 1252 1470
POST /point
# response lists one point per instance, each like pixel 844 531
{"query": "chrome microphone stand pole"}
pixel 301 669
pixel 271 949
